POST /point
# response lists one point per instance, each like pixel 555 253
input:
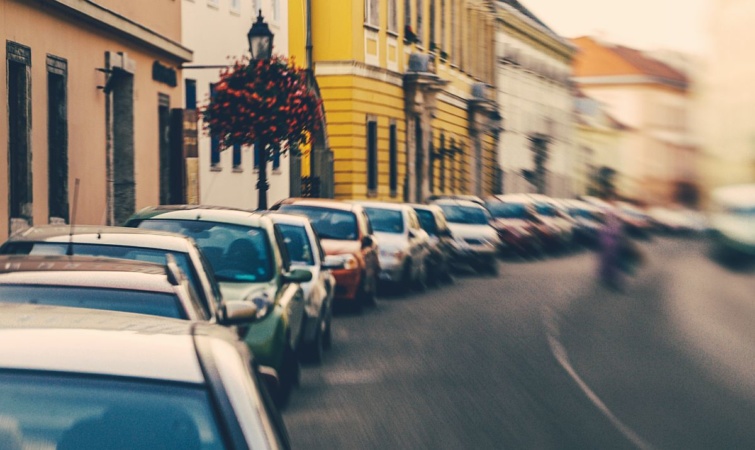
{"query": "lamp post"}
pixel 261 48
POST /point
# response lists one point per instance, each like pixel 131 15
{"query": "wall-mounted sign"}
pixel 164 74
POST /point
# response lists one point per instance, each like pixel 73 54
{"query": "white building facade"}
pixel 216 30
pixel 533 91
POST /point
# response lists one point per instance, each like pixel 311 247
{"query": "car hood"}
pixel 335 247
pixel 464 230
pixel 390 240
pixel 511 223
pixel 243 291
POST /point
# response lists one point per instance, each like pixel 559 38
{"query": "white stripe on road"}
pixel 559 352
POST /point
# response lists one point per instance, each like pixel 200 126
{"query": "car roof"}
pixel 320 203
pixel 449 201
pixel 86 271
pixel 79 340
pixel 105 235
pixel 288 219
pixel 383 205
pixel 430 207
pixel 205 213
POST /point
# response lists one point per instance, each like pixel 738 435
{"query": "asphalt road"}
pixel 542 357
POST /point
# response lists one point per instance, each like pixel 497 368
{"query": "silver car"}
pixel 73 378
pixel 404 246
pixel 305 252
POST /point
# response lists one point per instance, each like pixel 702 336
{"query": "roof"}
pixel 457 202
pixel 125 236
pixel 600 59
pixel 383 205
pixel 519 7
pixel 319 203
pixel 79 340
pixel 86 271
pixel 197 212
pixel 290 219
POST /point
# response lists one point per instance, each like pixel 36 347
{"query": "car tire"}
pixel 289 377
pixel 313 352
pixel 327 336
pixel 420 282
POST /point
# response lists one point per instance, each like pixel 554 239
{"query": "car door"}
pixel 417 239
pixel 369 252
pixel 294 299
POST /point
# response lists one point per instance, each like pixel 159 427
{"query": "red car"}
pixel 517 226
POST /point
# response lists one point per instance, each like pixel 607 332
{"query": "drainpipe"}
pixel 309 35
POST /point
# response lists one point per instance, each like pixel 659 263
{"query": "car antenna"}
pixel 69 252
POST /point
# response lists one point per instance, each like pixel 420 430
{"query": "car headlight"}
pixel 263 303
pixel 350 262
pixel 392 253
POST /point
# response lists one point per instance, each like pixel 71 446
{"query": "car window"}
pixel 113 251
pixel 297 244
pixel 141 302
pixel 330 223
pixel 367 229
pixel 237 253
pixel 465 214
pixel 427 221
pixel 385 220
pixel 545 210
pixel 507 210
pixel 65 412
pixel 282 247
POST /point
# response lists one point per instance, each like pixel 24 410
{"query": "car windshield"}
pixel 142 302
pixel 465 214
pixel 580 212
pixel 545 210
pixel 427 221
pixel 507 210
pixel 237 253
pixel 87 413
pixel 297 244
pixel 329 223
pixel 112 251
pixel 385 220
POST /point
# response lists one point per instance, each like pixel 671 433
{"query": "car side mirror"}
pixel 297 276
pixel 332 263
pixel 237 312
pixel 367 241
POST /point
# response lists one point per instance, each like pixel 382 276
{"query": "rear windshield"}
pixel 465 214
pixel 507 210
pixel 111 251
pixel 297 244
pixel 427 221
pixel 237 253
pixel 385 220
pixel 62 412
pixel 545 210
pixel 329 223
pixel 142 302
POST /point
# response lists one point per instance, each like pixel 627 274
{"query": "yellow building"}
pixel 405 90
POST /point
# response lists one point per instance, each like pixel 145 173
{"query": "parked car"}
pixel 636 221
pixel 442 246
pixel 554 214
pixel 303 246
pixel 470 198
pixel 588 220
pixel 249 258
pixel 346 235
pixel 732 222
pixel 122 242
pixel 73 378
pixel 476 240
pixel 403 244
pixel 547 231
pixel 516 226
pixel 110 284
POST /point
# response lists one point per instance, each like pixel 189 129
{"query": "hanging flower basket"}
pixel 266 101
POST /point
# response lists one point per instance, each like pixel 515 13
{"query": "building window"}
pixel 237 157
pixel 431 24
pixel 256 7
pixel 236 6
pixel 443 154
pixel 392 16
pixel 408 14
pixel 372 12
pixel 454 21
pixel 372 157
pixel 213 3
pixel 214 141
pixel 18 59
pixel 393 160
pixel 420 30
pixel 190 86
pixel 276 159
pixel 57 139
pixel 276 10
pixel 442 38
pixel 163 124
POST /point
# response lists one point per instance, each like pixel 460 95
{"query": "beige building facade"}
pixel 90 90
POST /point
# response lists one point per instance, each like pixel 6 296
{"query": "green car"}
pixel 247 254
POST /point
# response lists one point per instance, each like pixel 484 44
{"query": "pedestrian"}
pixel 611 240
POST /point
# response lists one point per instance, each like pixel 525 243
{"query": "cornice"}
pixel 513 19
pixel 108 20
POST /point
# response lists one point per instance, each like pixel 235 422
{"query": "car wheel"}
pixel 313 351
pixel 420 283
pixel 289 377
pixel 327 336
pixel 493 267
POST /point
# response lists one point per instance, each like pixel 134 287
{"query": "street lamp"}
pixel 260 39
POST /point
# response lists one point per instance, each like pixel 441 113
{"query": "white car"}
pixel 476 240
pixel 404 247
pixel 305 252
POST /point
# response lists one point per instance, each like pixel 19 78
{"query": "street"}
pixel 543 357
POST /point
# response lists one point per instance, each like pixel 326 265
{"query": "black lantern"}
pixel 260 39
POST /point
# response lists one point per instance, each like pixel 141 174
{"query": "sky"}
pixel 642 24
